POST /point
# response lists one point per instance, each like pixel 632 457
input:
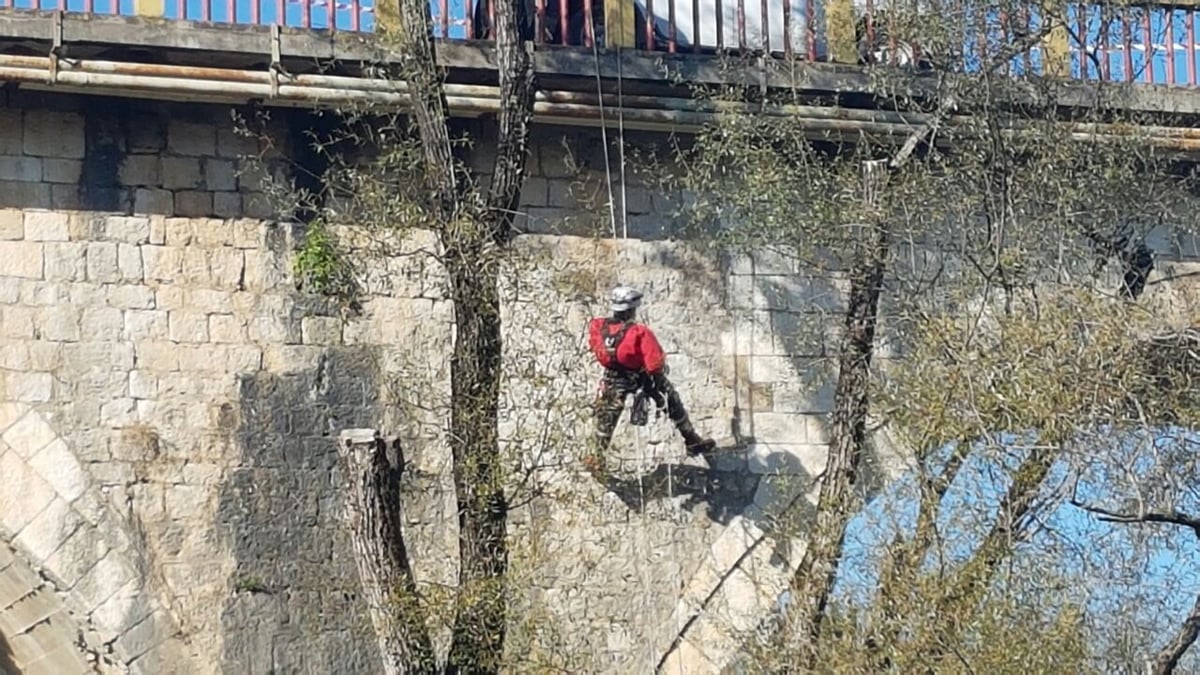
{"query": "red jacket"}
pixel 638 349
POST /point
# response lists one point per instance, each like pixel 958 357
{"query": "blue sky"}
pixel 1072 543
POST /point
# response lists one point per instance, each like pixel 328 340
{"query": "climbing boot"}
pixel 698 446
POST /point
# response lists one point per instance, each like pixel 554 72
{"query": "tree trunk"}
pixel 475 371
pixel 373 507
pixel 470 229
pixel 815 577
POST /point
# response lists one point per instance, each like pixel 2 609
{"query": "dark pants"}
pixel 615 387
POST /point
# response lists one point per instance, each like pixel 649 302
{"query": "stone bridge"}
pixel 169 401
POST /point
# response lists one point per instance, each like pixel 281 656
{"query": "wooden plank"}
pixel 149 8
pixel 1056 46
pixel 839 24
pixel 618 25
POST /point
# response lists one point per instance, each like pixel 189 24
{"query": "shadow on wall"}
pixel 295 605
pixel 7 665
pixel 725 487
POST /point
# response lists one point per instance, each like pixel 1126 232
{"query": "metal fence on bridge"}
pixel 1153 44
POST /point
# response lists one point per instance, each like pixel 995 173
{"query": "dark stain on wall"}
pixel 104 148
pixel 294 604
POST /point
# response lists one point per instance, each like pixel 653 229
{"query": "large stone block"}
pixel 62 170
pixel 26 194
pixel 66 261
pixel 23 494
pixel 21 259
pixel 194 203
pixel 157 356
pixel 11 131
pixel 153 201
pixel 129 262
pixel 54 134
pixel 126 229
pixel 220 175
pixel 182 173
pixel 10 412
pixel 102 263
pixel 103 581
pixel 15 355
pixel 56 464
pixel 149 633
pixel 29 387
pixel 58 322
pixel 192 139
pixel 102 323
pixel 47 531
pixel 118 413
pixel 321 330
pixel 46 226
pixel 140 170
pixel 162 263
pixel 226 328
pixel 20 168
pixel 12 224
pixel 146 325
pixel 17 322
pixel 226 266
pixel 188 327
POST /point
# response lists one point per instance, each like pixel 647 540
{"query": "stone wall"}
pixel 169 400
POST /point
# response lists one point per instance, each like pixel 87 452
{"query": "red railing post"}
pixel 539 22
pixel 562 22
pixel 589 33
pixel 671 26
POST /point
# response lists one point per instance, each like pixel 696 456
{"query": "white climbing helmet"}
pixel 624 298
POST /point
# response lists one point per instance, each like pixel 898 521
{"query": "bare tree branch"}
pixel 1168 656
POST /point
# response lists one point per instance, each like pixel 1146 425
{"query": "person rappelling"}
pixel 634 363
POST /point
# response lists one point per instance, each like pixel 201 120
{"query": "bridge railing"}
pixel 1148 43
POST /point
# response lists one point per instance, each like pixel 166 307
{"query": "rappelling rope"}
pixel 612 207
pixel 638 431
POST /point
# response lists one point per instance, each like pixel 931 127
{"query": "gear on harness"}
pixel 639 413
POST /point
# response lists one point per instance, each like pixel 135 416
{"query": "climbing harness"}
pixel 643 390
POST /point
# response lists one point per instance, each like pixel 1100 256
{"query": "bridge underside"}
pixel 650 91
pixel 37 634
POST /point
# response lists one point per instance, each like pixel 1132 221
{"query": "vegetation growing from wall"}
pixel 999 249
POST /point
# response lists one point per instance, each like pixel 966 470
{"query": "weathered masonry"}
pixel 168 400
